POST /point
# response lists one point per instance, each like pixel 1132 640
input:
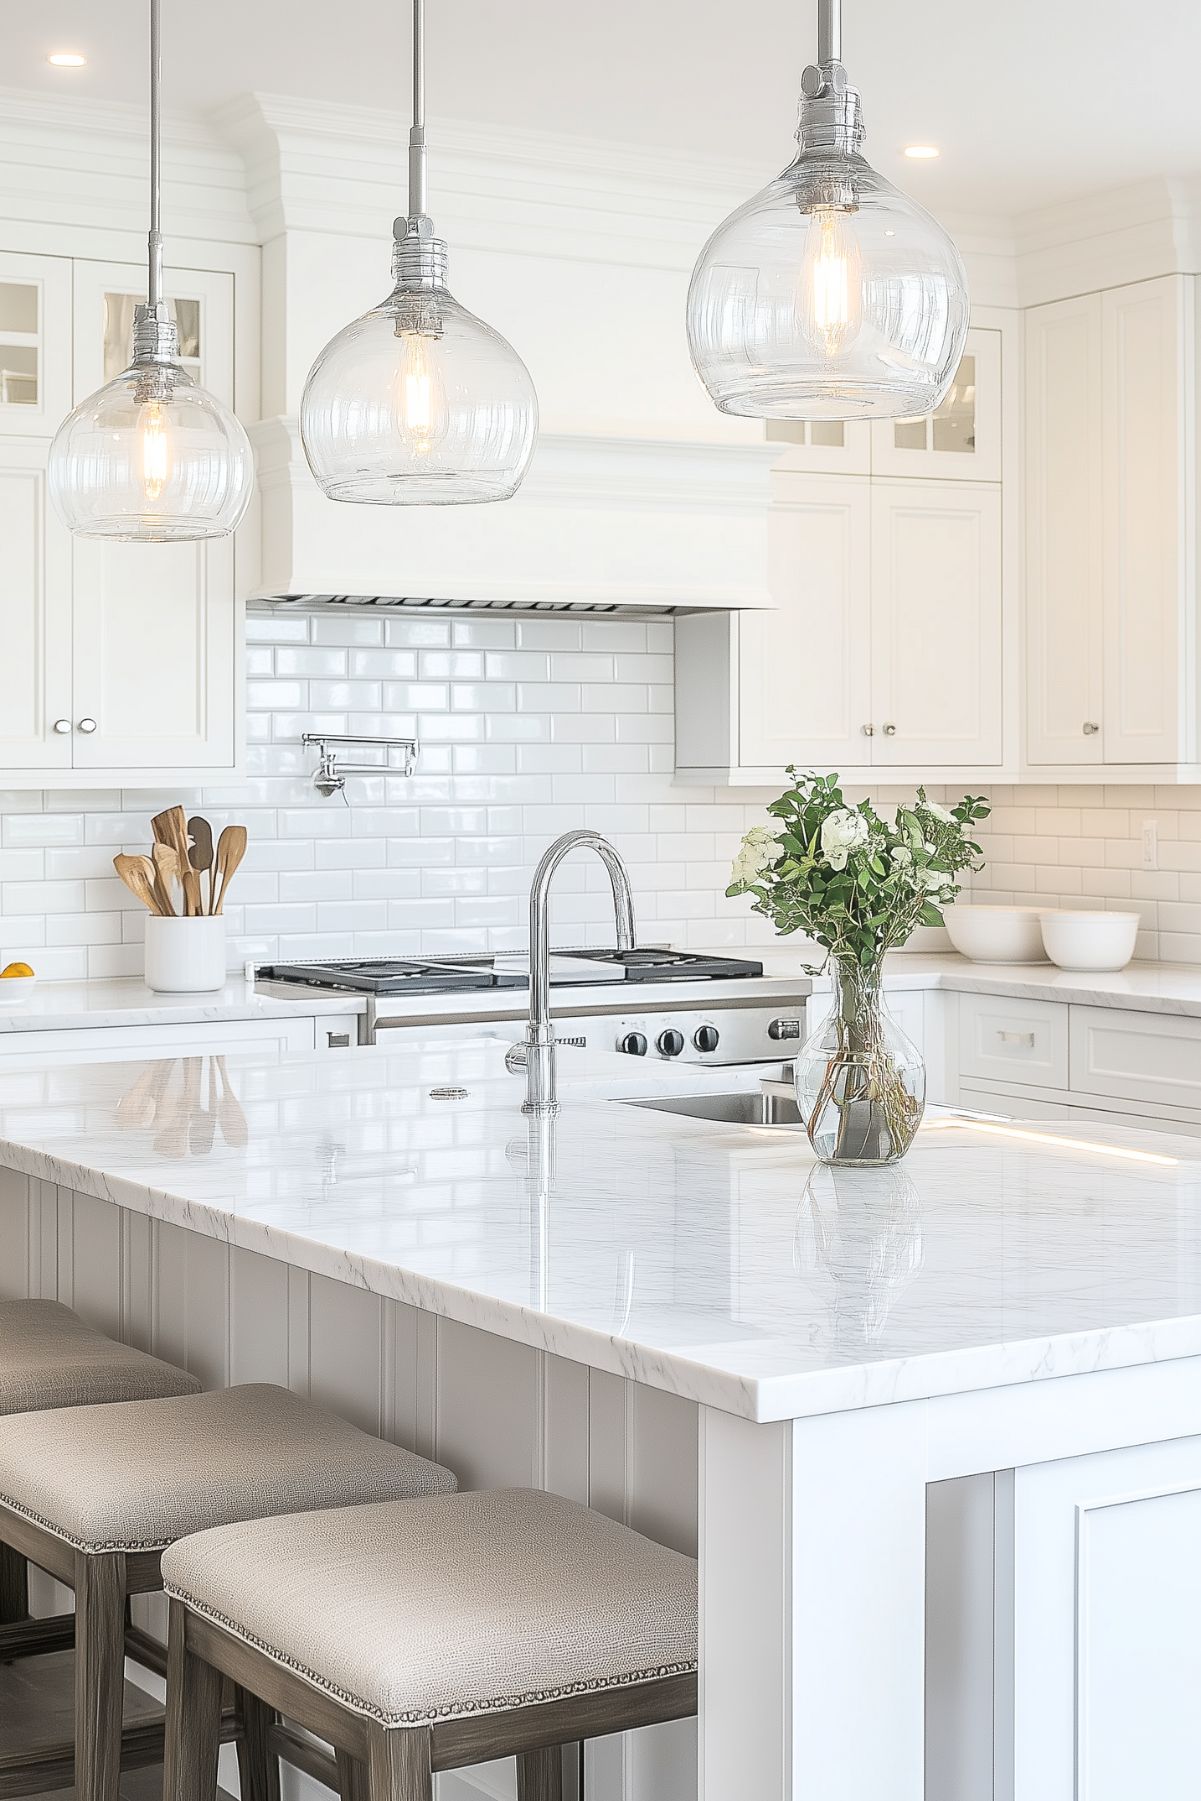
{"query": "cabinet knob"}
pixel 1091 728
pixel 87 725
pixel 869 731
pixel 62 726
pixel 890 731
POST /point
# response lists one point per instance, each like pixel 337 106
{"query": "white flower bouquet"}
pixel 858 884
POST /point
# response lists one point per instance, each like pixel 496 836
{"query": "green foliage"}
pixel 855 882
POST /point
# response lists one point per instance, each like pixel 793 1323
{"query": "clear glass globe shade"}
pixel 151 457
pixel 419 403
pixel 830 295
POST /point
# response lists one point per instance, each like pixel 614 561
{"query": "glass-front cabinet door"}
pixel 35 343
pixel 962 439
pixel 155 661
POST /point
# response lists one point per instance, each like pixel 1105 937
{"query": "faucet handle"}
pixel 517 1058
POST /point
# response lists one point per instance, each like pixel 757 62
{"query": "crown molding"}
pixel 84 163
pixel 1103 240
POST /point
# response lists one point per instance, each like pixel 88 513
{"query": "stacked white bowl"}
pixel 1072 940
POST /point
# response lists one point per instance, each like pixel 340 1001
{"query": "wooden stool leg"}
pixel 99 1674
pixel 399 1764
pixel 14 1587
pixel 258 1766
pixel 540 1775
pixel 193 1719
pixel 352 1777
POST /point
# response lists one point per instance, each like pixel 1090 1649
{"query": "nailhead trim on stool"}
pixel 94 1494
pixel 429 1634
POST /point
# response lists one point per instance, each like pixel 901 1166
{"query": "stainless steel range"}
pixel 685 1006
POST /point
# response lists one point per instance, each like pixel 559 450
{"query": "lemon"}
pixel 16 969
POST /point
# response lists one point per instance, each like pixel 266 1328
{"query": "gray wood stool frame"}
pixel 374 1762
pixel 101 1635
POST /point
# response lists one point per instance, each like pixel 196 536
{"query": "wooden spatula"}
pixel 166 874
pixel 171 828
pixel 138 875
pixel 201 855
pixel 231 848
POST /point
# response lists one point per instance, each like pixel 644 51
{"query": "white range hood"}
pixel 599 524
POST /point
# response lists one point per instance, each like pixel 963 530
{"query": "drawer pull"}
pixel 338 1041
pixel 1025 1039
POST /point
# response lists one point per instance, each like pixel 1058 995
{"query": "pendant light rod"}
pixel 154 293
pixel 417 186
pixel 829 31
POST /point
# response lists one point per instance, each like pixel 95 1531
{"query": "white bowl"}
pixel 996 934
pixel 1090 940
pixel 15 988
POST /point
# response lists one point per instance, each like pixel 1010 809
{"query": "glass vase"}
pixel 860 1082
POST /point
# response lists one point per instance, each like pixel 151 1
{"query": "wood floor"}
pixel 36 1708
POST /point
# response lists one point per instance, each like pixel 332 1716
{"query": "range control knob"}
pixel 784 1028
pixel 633 1044
pixel 705 1038
pixel 671 1043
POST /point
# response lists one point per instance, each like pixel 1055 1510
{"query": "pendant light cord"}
pixel 417 194
pixel 155 284
pixel 829 32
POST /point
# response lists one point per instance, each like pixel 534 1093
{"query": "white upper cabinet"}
pixel 157 658
pixel 1064 557
pixel 122 661
pixel 35 339
pixel 806 661
pixel 35 668
pixel 1110 521
pixel 936 624
pixel 1147 477
pixel 822 446
pixel 961 440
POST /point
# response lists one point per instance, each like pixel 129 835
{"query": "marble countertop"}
pixel 61 1006
pixel 717 1262
pixel 1141 987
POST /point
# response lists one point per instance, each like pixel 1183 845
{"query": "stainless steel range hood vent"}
pixel 600 525
pixel 412 601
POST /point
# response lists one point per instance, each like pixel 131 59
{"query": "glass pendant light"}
pixel 418 402
pixel 152 457
pixel 830 295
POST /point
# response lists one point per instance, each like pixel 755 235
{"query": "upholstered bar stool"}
pixel 429 1635
pixel 49 1357
pixel 95 1495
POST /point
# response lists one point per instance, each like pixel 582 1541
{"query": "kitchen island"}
pixel 934 1432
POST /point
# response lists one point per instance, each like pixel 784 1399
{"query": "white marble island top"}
pixel 714 1261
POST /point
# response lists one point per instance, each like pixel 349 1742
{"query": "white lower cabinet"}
pixel 1106 1659
pixel 885 650
pixel 289 1036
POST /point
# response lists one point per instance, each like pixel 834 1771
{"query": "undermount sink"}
pixel 772 1104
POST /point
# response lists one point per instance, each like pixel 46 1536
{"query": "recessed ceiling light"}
pixel 921 152
pixel 67 59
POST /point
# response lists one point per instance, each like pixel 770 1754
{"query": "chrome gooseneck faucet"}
pixel 537 1055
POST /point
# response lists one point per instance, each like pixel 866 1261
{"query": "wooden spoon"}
pixel 166 874
pixel 231 848
pixel 171 827
pixel 138 875
pixel 201 854
pixel 234 1128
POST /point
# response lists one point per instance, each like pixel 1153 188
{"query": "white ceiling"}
pixel 1031 101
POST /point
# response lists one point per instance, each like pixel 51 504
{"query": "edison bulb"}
pixel 156 460
pixel 831 283
pixel 421 395
pixel 152 457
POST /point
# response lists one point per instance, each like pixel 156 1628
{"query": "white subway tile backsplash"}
pixel 528 727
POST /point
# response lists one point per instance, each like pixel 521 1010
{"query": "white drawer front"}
pixel 1136 1056
pixel 1014 1040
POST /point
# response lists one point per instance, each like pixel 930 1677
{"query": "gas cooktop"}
pixel 446 975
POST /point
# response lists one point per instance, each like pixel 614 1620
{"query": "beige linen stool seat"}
pixel 49 1357
pixel 429 1635
pixel 95 1495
